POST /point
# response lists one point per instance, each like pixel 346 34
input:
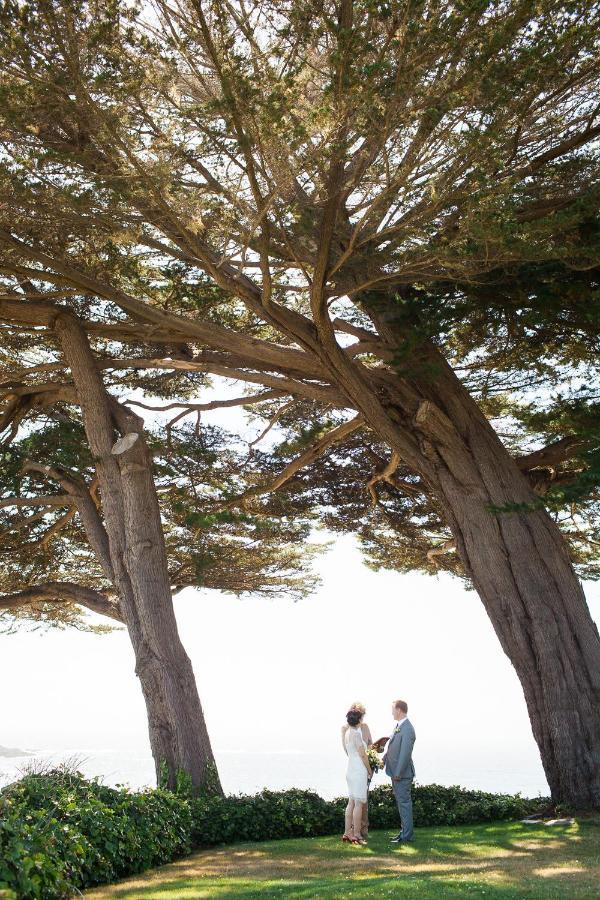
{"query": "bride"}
pixel 357 776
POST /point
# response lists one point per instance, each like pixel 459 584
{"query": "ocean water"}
pixel 248 772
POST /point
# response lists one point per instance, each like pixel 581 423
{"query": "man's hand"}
pixel 395 779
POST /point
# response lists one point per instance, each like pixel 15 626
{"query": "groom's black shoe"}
pixel 400 840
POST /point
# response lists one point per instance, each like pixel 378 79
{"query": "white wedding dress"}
pixel 356 773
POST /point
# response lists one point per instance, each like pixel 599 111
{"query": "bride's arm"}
pixel 358 743
pixel 365 759
pixel 344 730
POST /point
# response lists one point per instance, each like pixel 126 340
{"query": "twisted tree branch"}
pixel 63 592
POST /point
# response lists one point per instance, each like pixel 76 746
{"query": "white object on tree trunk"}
pixel 125 443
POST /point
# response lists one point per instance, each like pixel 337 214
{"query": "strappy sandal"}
pixel 359 841
pixel 346 839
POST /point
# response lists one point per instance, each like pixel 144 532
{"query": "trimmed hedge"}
pixel 60 832
pixel 265 816
pixel 270 815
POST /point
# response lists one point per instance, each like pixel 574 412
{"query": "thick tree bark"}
pixel 139 572
pixel 520 566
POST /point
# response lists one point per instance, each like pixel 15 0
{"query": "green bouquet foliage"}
pixel 60 833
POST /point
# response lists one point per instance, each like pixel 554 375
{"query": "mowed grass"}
pixel 497 861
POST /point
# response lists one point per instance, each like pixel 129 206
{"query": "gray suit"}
pixel 399 764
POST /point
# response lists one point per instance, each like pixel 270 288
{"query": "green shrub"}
pixel 296 813
pixel 263 816
pixel 39 855
pixel 60 833
pixel 437 805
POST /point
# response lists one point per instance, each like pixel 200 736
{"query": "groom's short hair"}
pixel 402 705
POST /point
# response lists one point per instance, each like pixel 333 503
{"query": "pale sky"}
pixel 276 677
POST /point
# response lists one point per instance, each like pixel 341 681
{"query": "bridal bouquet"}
pixel 375 760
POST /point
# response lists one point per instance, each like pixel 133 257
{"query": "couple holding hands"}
pixel 397 760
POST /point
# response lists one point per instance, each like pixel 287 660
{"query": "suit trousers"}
pixel 405 807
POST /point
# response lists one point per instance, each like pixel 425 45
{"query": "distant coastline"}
pixel 12 752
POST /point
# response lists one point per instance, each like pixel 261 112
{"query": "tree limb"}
pixel 385 474
pixel 79 494
pixel 271 424
pixel 48 500
pixel 305 459
pixel 212 404
pixel 446 547
pixel 209 333
pixel 553 454
pixel 63 592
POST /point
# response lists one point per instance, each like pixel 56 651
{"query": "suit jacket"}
pixel 398 757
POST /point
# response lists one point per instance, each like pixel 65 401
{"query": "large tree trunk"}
pixel 520 566
pixel 521 569
pixel 137 566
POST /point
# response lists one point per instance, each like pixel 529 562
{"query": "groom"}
pixel 399 766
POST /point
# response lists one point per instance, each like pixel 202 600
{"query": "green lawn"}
pixel 492 861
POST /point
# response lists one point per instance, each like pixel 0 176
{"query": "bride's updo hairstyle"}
pixel 353 717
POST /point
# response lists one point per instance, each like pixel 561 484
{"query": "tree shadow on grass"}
pixel 422 886
pixel 497 861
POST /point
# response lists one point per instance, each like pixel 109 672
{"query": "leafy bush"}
pixel 437 805
pixel 39 856
pixel 263 816
pixel 60 833
pixel 296 813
